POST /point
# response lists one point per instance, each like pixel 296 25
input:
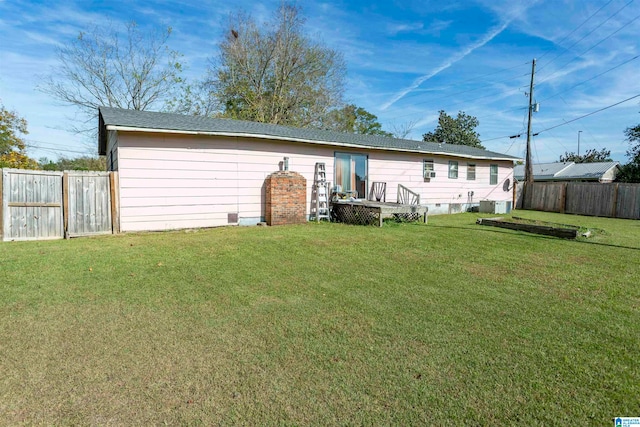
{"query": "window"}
pixel 493 177
pixel 453 169
pixel 428 170
pixel 351 172
pixel 471 171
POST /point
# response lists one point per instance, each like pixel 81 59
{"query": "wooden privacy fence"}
pixel 31 205
pixel 38 205
pixel 615 200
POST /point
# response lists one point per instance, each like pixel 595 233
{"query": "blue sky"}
pixel 406 60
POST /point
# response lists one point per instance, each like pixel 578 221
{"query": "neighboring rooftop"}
pixel 146 121
pixel 568 171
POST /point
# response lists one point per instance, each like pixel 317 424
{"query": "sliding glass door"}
pixel 351 172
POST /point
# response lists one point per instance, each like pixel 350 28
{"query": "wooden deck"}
pixel 367 212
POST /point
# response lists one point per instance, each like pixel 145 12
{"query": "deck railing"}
pixel 407 197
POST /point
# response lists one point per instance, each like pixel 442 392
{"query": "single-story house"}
pixel 571 171
pixel 177 171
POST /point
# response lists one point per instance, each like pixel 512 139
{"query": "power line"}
pixel 496 138
pixel 457 103
pixel 50 144
pixel 567 122
pixel 574 30
pixel 535 148
pixel 583 127
pixel 594 141
pixel 559 93
pixel 506 111
pixel 548 148
pixel 592 47
pixel 55 150
pixel 588 34
pixel 490 74
pixel 588 80
pixel 593 138
pixel 514 141
pixel 464 91
pixel 458 83
pixel 468 90
pixel 589 114
pixel 559 142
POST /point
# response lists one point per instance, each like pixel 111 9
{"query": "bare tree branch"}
pixel 403 130
pixel 134 69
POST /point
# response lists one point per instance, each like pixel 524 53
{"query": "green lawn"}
pixel 448 323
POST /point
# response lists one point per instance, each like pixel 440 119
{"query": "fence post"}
pixel 65 203
pixel 614 208
pixel 563 197
pixel 115 205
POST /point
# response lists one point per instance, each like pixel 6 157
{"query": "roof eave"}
pixel 292 139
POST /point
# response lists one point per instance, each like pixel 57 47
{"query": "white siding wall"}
pixel 180 181
pixel 610 175
pixel 407 169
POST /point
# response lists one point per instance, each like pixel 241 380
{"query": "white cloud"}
pixel 438 26
pixel 434 29
pixel 396 28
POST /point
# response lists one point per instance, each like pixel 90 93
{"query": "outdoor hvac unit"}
pixel 495 207
pixel 431 174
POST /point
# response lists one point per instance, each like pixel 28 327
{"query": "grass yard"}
pixel 448 323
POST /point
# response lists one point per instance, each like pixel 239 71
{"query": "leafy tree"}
pixel 12 146
pixel 633 136
pixel 591 156
pixel 459 130
pixel 82 163
pixel 353 119
pixel 274 73
pixel 630 172
pixel 134 69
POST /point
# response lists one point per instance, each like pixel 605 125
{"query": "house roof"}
pixel 587 170
pixel 541 171
pixel 566 171
pixel 146 121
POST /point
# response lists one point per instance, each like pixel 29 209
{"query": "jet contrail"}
pixel 452 60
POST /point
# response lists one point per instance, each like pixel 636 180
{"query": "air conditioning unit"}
pixel 495 207
pixel 431 174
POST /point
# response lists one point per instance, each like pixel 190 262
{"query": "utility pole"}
pixel 579 132
pixel 528 167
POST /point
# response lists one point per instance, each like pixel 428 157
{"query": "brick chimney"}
pixel 286 198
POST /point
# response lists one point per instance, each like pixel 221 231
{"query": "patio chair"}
pixel 378 192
